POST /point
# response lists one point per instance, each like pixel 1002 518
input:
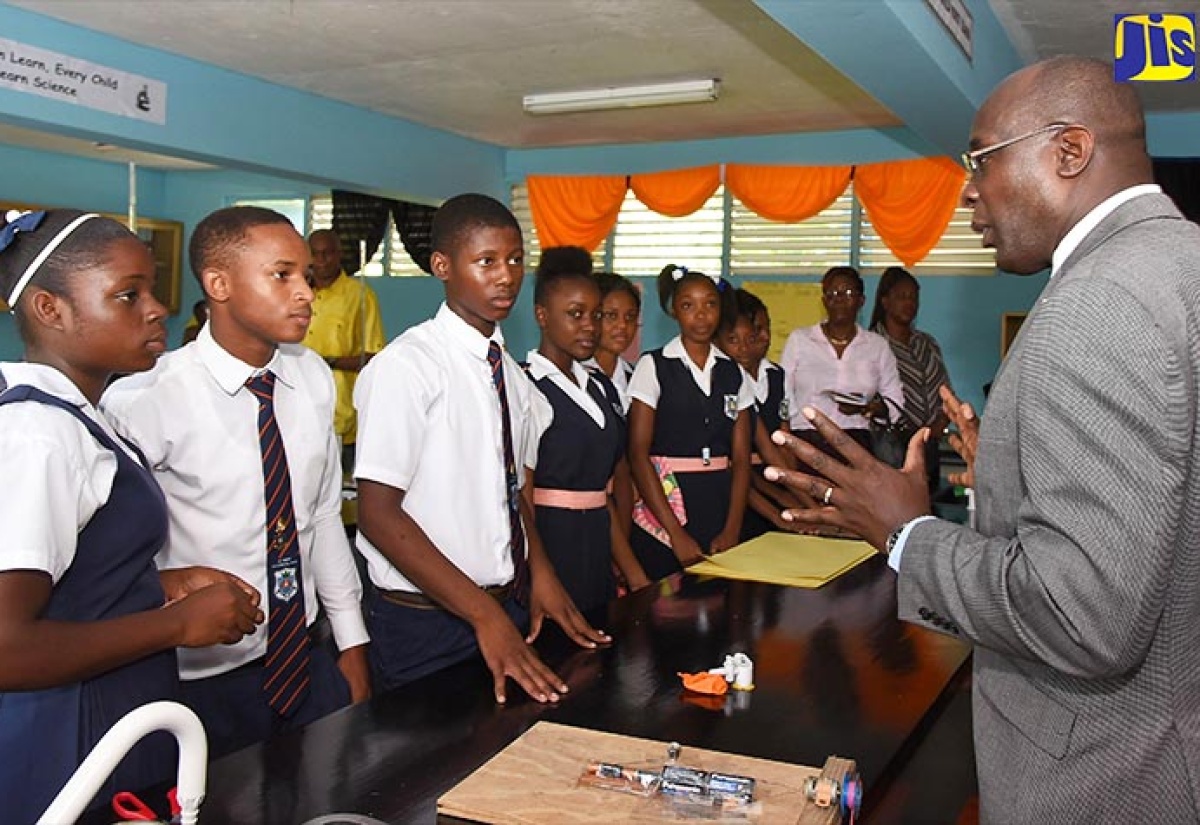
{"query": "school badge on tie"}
pixel 286 582
pixel 731 407
pixel 284 573
pixel 785 410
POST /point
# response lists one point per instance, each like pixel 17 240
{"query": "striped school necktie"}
pixel 285 670
pixel 516 542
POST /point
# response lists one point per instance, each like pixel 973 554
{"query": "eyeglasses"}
pixel 973 160
pixel 835 294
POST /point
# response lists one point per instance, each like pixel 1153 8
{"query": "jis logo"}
pixel 785 410
pixel 1154 47
pixel 731 408
pixel 287 584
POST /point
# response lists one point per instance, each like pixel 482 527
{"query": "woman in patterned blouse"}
pixel 918 358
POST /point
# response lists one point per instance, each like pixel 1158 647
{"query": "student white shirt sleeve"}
pixel 334 572
pixel 644 386
pixel 541 416
pixel 393 401
pixel 51 493
pixel 56 474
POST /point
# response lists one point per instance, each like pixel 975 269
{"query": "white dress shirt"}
pixel 575 387
pixel 429 424
pixel 56 474
pixel 1092 219
pixel 812 369
pixel 644 384
pixel 198 426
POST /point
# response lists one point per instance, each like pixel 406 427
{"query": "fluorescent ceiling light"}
pixel 623 97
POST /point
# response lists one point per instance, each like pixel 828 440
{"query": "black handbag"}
pixel 890 435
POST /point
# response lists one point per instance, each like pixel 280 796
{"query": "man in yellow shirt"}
pixel 346 329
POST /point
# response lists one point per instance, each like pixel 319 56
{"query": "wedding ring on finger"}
pixel 828 495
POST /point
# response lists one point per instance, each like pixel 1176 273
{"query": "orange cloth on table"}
pixel 711 683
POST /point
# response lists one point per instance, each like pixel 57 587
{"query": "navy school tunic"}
pixel 687 421
pixel 46 734
pixel 575 453
pixel 772 412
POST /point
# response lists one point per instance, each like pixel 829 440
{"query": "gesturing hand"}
pixel 864 495
pixel 966 440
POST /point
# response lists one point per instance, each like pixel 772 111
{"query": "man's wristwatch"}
pixel 894 537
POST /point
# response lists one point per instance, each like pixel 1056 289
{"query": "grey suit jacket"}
pixel 1081 588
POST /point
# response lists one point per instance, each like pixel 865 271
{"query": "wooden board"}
pixel 534 781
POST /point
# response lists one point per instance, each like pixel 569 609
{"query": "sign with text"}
pixel 958 21
pixel 57 76
pixel 1154 47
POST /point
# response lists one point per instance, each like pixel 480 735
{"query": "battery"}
pixel 730 786
pixel 680 781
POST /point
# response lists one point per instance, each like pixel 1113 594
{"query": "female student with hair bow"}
pixel 689 432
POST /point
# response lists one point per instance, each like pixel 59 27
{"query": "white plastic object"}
pixel 172 717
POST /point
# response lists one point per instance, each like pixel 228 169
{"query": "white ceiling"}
pixel 463 65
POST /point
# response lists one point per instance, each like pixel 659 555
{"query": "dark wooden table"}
pixel 836 674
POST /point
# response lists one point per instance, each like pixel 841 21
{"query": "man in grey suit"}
pixel 1080 586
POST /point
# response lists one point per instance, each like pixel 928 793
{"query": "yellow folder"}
pixel 787 559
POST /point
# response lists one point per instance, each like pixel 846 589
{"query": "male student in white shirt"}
pixel 199 424
pixel 444 521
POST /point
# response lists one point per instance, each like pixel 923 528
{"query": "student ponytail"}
pixel 674 276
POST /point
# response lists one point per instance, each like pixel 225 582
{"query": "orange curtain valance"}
pixel 910 202
pixel 571 210
pixel 678 192
pixel 787 193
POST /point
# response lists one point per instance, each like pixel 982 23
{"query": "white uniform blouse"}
pixel 56 475
pixel 644 384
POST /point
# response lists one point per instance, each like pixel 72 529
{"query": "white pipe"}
pixel 172 717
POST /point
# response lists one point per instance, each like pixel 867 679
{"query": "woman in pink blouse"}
pixel 838 367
